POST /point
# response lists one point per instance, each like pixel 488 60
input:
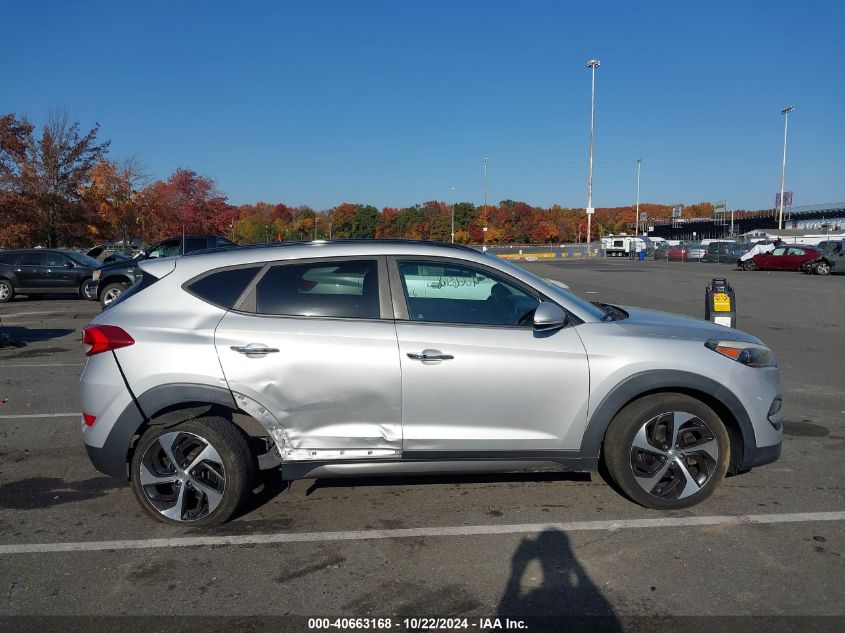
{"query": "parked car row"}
pixel 38 271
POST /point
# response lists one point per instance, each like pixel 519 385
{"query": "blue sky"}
pixel 392 103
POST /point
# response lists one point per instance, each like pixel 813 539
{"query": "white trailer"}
pixel 622 245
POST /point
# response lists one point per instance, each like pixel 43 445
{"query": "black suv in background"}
pixel 111 280
pixel 41 271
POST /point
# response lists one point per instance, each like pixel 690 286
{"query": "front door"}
pixel 476 377
pixel 57 274
pixel 314 344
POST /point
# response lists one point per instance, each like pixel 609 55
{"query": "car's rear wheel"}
pixel 821 268
pixel 7 292
pixel 667 451
pixel 197 472
pixel 111 292
pixel 749 264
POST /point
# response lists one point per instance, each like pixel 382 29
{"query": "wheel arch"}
pixel 715 395
pixel 113 279
pixel 166 405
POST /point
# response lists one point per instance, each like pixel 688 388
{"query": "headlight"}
pixel 96 276
pixel 749 354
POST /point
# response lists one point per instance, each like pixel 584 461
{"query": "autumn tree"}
pixel 112 194
pixel 16 225
pixel 55 171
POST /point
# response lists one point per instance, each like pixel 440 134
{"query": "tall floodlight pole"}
pixel 592 65
pixel 484 216
pixel 453 215
pixel 637 223
pixel 785 112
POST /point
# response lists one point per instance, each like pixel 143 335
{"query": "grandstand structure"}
pixel 817 218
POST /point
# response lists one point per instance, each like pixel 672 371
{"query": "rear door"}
pixel 477 379
pixel 29 270
pixel 313 342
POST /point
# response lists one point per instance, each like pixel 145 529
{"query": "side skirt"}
pixel 459 463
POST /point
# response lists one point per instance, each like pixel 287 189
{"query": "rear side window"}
pixel 30 259
pixel 222 288
pixel 8 258
pixel 195 244
pixel 343 289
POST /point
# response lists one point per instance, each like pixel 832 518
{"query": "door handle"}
pixel 253 348
pixel 430 355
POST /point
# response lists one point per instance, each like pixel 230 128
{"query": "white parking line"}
pixel 464 530
pixel 4 366
pixel 15 416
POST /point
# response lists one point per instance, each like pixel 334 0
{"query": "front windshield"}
pixel 587 307
pixel 83 259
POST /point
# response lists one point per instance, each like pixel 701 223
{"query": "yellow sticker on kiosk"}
pixel 721 302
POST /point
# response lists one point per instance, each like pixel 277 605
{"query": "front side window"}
pixel 54 260
pixel 341 289
pixel 455 293
pixel 779 251
pixel 168 248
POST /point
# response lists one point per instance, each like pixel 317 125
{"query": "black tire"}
pixel 821 268
pixel 749 264
pixel 703 428
pixel 111 292
pixel 238 468
pixel 7 291
pixel 83 287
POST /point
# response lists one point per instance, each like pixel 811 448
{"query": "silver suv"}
pixel 326 359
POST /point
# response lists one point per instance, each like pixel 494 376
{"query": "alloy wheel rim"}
pixel 4 290
pixel 822 268
pixel 674 455
pixel 182 476
pixel 111 295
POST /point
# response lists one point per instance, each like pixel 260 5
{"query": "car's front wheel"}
pixel 749 264
pixel 197 472
pixel 821 268
pixel 667 451
pixel 110 293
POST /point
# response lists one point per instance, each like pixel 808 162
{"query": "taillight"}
pixel 104 338
pixel 89 419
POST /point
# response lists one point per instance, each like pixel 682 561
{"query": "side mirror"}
pixel 69 265
pixel 549 316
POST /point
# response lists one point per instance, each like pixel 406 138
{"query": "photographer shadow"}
pixel 565 600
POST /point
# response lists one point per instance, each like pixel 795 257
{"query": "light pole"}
pixel 785 112
pixel 453 215
pixel 484 216
pixel 639 162
pixel 592 65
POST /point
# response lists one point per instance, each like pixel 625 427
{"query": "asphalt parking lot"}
pixel 769 542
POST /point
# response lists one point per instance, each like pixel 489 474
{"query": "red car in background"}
pixel 690 251
pixel 786 257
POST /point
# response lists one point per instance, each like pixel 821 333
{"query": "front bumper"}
pixel 761 455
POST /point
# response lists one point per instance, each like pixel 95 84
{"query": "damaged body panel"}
pixel 334 385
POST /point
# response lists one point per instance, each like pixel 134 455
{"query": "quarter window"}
pixel 342 289
pixel 222 288
pixel 455 293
